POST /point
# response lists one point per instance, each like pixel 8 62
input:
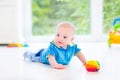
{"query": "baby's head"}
pixel 64 34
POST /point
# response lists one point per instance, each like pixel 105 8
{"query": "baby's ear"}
pixel 72 38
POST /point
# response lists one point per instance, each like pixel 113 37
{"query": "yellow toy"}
pixel 114 34
pixel 92 65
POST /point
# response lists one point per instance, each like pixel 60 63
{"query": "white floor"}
pixel 13 67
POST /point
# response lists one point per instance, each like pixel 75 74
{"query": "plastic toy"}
pixel 92 65
pixel 114 34
pixel 16 44
pixel 25 45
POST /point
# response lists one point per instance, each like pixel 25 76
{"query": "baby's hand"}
pixel 58 66
pixel 54 63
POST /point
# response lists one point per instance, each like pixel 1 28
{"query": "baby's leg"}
pixel 31 56
pixel 39 52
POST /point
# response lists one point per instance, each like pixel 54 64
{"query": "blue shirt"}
pixel 62 56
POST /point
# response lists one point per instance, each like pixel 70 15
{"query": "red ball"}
pixel 92 66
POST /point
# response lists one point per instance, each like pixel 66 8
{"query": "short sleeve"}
pixel 50 50
pixel 76 49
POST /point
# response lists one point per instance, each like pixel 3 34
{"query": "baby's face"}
pixel 64 36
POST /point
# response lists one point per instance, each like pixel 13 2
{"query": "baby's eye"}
pixel 58 34
pixel 64 37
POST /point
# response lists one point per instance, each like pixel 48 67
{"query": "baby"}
pixel 61 49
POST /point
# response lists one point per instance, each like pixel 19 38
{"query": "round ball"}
pixel 92 65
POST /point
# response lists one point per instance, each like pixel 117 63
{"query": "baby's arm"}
pixel 53 62
pixel 81 57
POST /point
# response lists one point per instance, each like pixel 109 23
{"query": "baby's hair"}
pixel 68 23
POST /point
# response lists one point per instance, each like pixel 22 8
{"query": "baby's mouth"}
pixel 60 42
